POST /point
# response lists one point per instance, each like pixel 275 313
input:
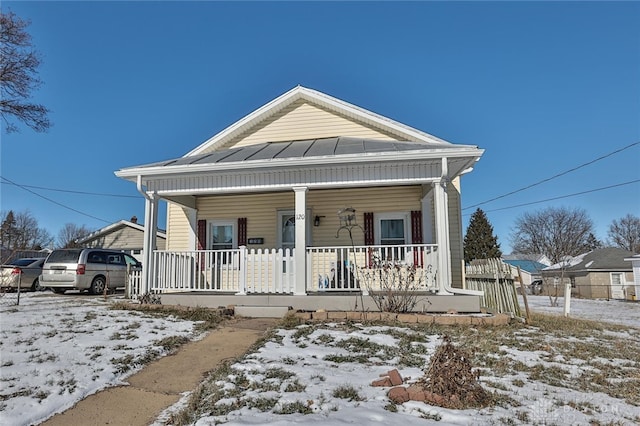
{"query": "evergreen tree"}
pixel 479 242
pixel 593 243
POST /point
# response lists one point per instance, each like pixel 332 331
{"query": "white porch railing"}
pixel 244 271
pixel 358 268
pixel 238 271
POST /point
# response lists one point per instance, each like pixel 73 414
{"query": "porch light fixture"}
pixel 347 217
pixel 316 220
pixel 348 221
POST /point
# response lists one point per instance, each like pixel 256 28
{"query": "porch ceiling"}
pixel 327 162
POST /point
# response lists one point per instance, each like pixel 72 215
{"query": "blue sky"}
pixel 543 87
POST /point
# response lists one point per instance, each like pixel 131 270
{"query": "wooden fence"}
pixel 494 278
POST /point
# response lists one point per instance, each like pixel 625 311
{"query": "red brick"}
pixel 396 378
pixel 399 395
pixel 416 393
pixel 383 382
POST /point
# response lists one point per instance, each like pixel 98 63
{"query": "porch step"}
pixel 261 311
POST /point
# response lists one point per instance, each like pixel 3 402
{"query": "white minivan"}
pixel 90 269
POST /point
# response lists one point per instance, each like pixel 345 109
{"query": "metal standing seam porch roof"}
pixel 305 149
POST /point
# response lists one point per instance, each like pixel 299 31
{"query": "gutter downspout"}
pixel 149 242
pixel 443 232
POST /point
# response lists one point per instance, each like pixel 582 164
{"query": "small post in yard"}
pixel 524 297
pixel 19 285
pixel 567 299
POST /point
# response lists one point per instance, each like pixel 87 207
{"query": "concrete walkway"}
pixel 161 383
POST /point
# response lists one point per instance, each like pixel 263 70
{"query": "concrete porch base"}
pixel 275 306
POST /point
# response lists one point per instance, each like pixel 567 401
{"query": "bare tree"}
pixel 19 76
pixel 625 233
pixel 556 232
pixel 70 234
pixel 20 231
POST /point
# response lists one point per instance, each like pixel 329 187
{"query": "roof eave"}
pixel 472 153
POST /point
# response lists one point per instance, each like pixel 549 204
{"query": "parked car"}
pixel 535 287
pixel 87 269
pixel 24 272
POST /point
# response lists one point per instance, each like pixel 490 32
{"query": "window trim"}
pixel 377 225
pixel 218 222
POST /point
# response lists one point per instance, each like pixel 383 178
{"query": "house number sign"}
pixel 255 241
pixel 300 216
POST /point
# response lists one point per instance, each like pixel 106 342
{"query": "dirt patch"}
pixel 161 383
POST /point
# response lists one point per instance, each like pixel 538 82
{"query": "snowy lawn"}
pixel 558 371
pixel 56 350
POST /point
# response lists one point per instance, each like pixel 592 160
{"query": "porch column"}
pixel 427 215
pixel 149 244
pixel 192 217
pixel 300 250
pixel 442 235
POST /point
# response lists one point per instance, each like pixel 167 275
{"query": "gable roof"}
pixel 530 266
pixel 606 259
pixel 322 100
pixel 115 226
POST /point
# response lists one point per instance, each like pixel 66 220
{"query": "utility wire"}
pixel 554 176
pixel 561 196
pixel 69 191
pixel 53 201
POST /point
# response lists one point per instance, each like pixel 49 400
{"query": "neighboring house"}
pixel 598 274
pixel 635 264
pixel 268 205
pixel 125 235
pixel 530 269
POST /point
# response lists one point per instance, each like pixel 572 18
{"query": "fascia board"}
pixel 110 228
pixel 429 154
pixel 267 109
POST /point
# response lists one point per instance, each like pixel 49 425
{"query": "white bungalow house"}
pixel 307 196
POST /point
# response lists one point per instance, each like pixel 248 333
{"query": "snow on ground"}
pixel 56 350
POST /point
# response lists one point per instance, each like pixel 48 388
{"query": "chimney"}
pixel 134 219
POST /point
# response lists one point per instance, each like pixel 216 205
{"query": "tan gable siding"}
pixel 178 228
pixel 261 210
pixel 305 121
pixel 455 233
pixel 123 238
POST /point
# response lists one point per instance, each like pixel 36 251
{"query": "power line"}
pixel 69 191
pixel 54 202
pixel 554 176
pixel 562 196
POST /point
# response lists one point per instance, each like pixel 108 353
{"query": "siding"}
pixel 302 120
pixel 178 228
pixel 261 211
pixel 455 233
pixel 123 238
